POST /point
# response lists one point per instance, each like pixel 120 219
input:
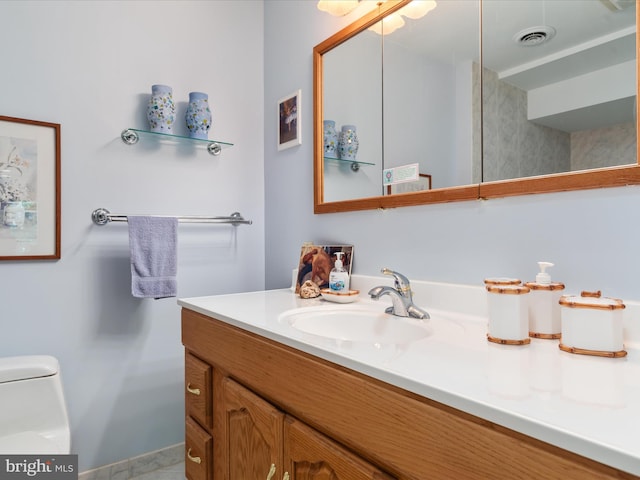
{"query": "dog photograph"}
pixel 317 261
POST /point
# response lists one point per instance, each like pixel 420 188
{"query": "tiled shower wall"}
pixel 604 147
pixel 515 147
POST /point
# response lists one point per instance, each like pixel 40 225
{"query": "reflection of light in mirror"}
pixel 418 8
pixel 388 25
pixel 337 8
pixel 414 10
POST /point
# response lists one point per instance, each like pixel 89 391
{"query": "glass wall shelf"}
pixel 131 136
pixel 355 164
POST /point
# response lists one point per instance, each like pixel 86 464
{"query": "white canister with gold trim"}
pixel 508 314
pixel 592 325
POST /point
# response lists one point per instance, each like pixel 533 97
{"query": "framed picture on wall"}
pixel 289 121
pixel 29 189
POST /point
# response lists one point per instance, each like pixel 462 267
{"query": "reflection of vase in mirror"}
pixel 330 138
pixel 348 142
pixel 198 116
pixel 161 109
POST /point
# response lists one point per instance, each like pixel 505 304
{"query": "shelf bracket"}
pixel 129 137
pixel 214 149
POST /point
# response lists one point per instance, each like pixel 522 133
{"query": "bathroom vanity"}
pixel 261 395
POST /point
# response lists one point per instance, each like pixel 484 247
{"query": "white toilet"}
pixel 33 413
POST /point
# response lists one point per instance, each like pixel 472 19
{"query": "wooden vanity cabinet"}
pixel 198 390
pixel 249 433
pixel 198 451
pixel 273 404
pixel 309 455
pixel 256 436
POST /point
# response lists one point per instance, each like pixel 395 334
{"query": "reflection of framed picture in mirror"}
pixel 423 183
pixel 317 261
pixel 289 121
pixel 29 189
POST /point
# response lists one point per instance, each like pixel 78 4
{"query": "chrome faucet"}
pixel 401 297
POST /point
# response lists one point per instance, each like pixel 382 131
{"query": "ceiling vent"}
pixel 533 36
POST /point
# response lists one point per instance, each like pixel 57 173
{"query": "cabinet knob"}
pixel 195 391
pixel 197 460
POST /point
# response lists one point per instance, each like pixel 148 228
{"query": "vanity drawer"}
pixel 198 390
pixel 198 461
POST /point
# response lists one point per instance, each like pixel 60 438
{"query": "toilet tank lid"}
pixel 27 366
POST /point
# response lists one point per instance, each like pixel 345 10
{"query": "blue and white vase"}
pixel 348 142
pixel 330 138
pixel 198 116
pixel 161 111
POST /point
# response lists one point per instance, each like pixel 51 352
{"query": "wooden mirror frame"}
pixel 579 180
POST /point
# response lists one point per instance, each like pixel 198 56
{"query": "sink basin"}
pixel 357 324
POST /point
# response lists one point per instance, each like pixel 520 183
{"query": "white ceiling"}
pixel 589 36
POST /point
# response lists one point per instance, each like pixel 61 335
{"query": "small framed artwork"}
pixel 317 261
pixel 290 121
pixel 29 189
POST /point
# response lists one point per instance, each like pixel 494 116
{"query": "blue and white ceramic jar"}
pixel 330 139
pixel 348 142
pixel 161 111
pixel 198 116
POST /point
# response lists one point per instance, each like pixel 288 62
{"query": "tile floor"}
pixel 172 472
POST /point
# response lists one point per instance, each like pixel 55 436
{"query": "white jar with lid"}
pixel 592 325
pixel 544 307
pixel 508 313
pixel 502 281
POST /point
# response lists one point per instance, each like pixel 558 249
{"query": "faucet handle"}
pixel 402 283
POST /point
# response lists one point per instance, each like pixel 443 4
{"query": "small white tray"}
pixel 339 297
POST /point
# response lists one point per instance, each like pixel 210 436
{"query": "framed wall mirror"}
pixel 474 112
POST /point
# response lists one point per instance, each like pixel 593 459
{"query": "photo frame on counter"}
pixel 290 120
pixel 29 189
pixel 317 261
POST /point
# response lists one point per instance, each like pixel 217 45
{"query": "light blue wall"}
pixel 591 236
pixel 89 66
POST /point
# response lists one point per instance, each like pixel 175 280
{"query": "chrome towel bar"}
pixel 102 216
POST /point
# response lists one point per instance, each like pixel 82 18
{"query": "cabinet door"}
pixel 251 437
pixel 309 455
pixel 198 394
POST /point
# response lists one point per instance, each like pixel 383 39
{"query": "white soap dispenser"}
pixel 339 277
pixel 544 306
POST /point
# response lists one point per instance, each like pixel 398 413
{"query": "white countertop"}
pixel 587 405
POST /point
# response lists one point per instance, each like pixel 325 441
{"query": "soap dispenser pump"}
pixel 543 278
pixel 339 277
pixel 544 306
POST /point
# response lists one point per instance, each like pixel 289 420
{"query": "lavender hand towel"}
pixel 153 249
